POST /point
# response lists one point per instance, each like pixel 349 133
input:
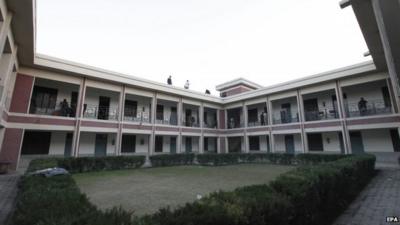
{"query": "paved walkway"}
pixel 381 198
pixel 8 192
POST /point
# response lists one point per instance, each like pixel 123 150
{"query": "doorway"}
pixel 68 145
pixel 36 143
pixel 188 117
pixel 188 144
pixel 394 134
pixel 104 107
pixel 286 114
pixel 159 144
pixel 100 147
pixel 174 116
pixel 173 145
pixel 234 144
pixel 356 141
pixel 311 109
pixel 128 144
pixel 315 142
pixel 289 143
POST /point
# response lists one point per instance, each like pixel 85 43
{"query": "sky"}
pixel 207 42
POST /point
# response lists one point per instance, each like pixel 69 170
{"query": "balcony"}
pixel 137 109
pixel 101 104
pixel 370 108
pixel 191 116
pixel 320 106
pixel 257 115
pixel 285 111
pixel 367 99
pixel 235 118
pixel 54 98
pixel 167 113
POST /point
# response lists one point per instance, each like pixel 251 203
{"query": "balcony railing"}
pixel 138 119
pixel 371 108
pixel 283 118
pixel 171 121
pixel 324 114
pixel 212 125
pixel 99 112
pixel 64 112
pixel 190 124
pixel 257 123
pixel 232 125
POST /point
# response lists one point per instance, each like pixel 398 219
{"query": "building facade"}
pixel 52 107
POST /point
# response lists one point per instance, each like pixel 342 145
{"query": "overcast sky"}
pixel 206 41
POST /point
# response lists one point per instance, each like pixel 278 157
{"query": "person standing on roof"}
pixel 169 80
pixel 186 84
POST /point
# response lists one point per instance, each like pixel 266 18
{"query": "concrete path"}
pixel 8 192
pixel 380 199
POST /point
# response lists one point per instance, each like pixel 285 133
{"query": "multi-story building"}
pixel 54 107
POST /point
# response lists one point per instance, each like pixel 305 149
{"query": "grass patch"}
pixel 147 190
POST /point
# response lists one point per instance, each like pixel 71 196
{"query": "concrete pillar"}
pixel 201 121
pixel 342 117
pixel 245 124
pixel 392 95
pixel 300 108
pixel 152 139
pixel 272 140
pixel 11 146
pixel 121 109
pixel 78 117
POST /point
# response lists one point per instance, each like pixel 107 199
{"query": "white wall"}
pixel 334 142
pixel 276 107
pixel 57 143
pixel 323 97
pixel 210 116
pixel 87 144
pixel 92 99
pixel 378 140
pixel 141 102
pixel 142 148
pixel 280 143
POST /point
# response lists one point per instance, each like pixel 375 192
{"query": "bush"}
pixel 318 158
pixel 320 192
pixel 171 160
pixel 88 164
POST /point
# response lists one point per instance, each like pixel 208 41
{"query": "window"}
pixel 128 143
pixel 252 114
pixel 254 143
pixel 43 100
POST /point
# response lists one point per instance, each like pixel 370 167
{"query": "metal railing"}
pixel 67 112
pixel 190 123
pixel 101 113
pixel 370 108
pixel 257 123
pixel 327 113
pixel 212 125
pixel 168 121
pixel 232 125
pixel 283 118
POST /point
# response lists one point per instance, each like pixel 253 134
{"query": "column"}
pixel 201 121
pixel 180 118
pixel 342 116
pixel 393 102
pixel 121 109
pixel 300 108
pixel 152 138
pixel 245 137
pixel 78 117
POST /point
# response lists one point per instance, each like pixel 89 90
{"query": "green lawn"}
pixel 146 190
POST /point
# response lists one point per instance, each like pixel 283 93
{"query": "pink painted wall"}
pixel 221 119
pixel 22 93
pixel 10 149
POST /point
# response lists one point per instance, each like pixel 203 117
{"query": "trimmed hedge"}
pixel 172 160
pixel 88 164
pixel 57 200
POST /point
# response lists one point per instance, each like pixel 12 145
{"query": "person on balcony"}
pixel 362 106
pixel 64 108
pixel 187 84
pixel 169 80
pixel 262 119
